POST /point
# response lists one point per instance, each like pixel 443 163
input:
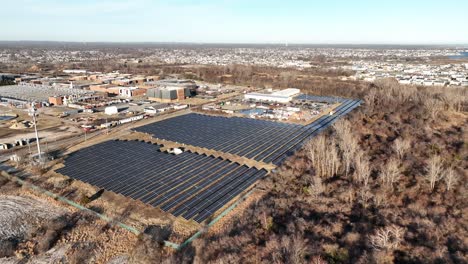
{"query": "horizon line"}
pixel 243 43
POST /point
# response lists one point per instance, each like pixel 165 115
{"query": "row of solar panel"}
pixel 231 193
pixel 256 139
pixel 320 99
pixel 140 171
pixel 241 136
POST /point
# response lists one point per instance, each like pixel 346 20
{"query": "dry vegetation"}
pixel 35 228
pixel 386 186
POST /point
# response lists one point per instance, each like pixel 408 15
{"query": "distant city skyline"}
pixel 428 22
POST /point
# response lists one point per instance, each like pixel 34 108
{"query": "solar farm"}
pixel 193 185
pixel 320 99
pixel 261 140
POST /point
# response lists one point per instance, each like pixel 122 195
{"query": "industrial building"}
pixel 176 83
pixel 167 94
pixel 171 90
pixel 131 91
pixel 8 76
pixel 56 100
pixel 105 88
pixel 75 71
pixel 282 96
pixel 157 108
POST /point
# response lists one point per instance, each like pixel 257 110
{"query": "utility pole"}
pixel 33 111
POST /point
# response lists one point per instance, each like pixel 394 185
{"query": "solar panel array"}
pixel 260 140
pixel 320 99
pixel 189 185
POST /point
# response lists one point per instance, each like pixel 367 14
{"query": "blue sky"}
pixel 238 21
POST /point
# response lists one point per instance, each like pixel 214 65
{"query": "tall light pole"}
pixel 33 112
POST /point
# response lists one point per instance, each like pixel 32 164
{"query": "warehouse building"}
pixel 282 96
pixel 75 71
pixel 176 83
pixel 168 94
pixel 168 91
pixel 105 88
pixel 171 90
pixel 157 108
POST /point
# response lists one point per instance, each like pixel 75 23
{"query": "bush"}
pixel 335 254
pixel 84 200
pixel 149 247
pixel 50 233
pixel 7 248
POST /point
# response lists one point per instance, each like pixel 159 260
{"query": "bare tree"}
pixel 370 99
pixel 401 146
pixel 363 170
pixel 333 159
pixel 295 248
pixel 387 238
pixel 323 154
pixel 365 196
pixel 433 106
pixel 380 200
pixel 317 187
pixel 450 177
pixel 347 142
pixel 390 172
pixel 389 88
pixel 455 98
pixel 434 173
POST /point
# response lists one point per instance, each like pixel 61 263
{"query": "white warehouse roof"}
pixel 282 96
pixel 289 92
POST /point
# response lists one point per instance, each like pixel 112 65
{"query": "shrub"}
pixel 84 200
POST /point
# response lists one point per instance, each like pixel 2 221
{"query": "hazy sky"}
pixel 238 21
